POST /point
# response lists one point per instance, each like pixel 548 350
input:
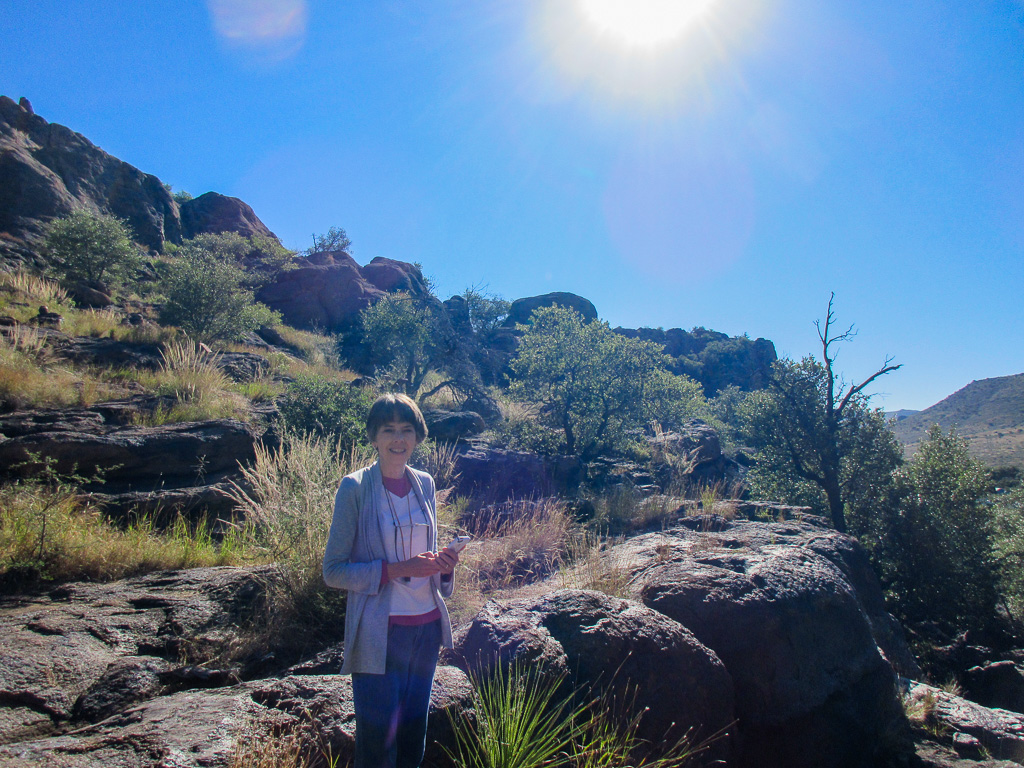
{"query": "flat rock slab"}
pixel 205 729
pixel 999 731
pixel 57 648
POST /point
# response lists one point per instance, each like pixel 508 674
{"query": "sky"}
pixel 718 163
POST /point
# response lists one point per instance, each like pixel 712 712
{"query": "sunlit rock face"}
pixel 215 213
pixel 328 290
pixel 47 171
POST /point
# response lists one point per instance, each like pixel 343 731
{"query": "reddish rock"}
pixel 521 309
pixel 328 294
pixel 214 213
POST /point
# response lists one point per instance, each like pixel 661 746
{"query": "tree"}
pixel 335 240
pixel 208 295
pixel 816 437
pixel 932 540
pixel 596 385
pixel 91 247
pixel 408 337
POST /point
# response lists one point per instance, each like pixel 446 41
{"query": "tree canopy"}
pixel 818 442
pixel 91 247
pixel 596 385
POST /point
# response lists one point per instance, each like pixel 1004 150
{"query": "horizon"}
pixel 727 167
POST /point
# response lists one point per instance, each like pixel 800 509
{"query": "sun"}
pixel 644 23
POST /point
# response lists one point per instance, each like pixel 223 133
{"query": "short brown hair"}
pixel 393 406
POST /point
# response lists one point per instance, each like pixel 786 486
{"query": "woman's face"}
pixel 395 442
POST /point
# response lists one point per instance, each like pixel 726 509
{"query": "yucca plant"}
pixel 522 721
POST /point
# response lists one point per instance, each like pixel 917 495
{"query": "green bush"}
pixel 595 385
pixel 1008 550
pixel 91 247
pixel 314 405
pixel 931 541
pixel 208 295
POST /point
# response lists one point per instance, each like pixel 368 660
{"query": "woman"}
pixel 382 549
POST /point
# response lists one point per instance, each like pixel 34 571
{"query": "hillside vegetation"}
pixel 988 413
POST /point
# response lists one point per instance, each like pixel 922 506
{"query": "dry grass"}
pixel 201 391
pixel 281 745
pixel 590 564
pixel 287 496
pixel 47 533
pixel 30 291
pixel 31 378
pixel 624 510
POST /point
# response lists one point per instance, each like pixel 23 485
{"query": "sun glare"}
pixel 644 23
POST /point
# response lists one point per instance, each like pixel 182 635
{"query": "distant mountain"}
pixel 988 413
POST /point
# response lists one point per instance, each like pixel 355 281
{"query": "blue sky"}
pixel 771 152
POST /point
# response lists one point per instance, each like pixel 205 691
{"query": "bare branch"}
pixel 886 368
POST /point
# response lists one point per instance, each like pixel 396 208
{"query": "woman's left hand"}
pixel 447 559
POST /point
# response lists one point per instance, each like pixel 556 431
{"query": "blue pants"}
pixel 391 709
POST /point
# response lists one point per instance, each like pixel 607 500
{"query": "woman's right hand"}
pixel 419 566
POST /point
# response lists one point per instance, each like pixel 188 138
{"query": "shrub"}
pixel 208 296
pixel 1008 549
pixel 595 385
pixel 335 240
pixel 932 540
pixel 315 405
pixel 91 247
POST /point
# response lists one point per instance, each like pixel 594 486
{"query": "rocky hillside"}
pixel 48 171
pixel 988 413
pixel 771 635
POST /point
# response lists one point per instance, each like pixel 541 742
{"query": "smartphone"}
pixel 459 542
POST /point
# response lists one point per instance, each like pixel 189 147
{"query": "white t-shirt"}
pixel 406 531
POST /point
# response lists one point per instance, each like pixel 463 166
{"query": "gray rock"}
pixel 605 642
pixel 998 684
pixel 999 731
pixel 452 426
pixel 205 729
pixel 86 649
pixel 521 309
pixel 811 686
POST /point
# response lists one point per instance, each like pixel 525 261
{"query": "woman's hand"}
pixel 447 559
pixel 422 565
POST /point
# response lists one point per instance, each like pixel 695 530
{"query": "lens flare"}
pixel 644 23
pixel 267 29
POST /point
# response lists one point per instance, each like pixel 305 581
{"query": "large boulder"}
pixel 497 475
pixel 452 426
pixel 215 213
pixel 329 291
pixel 521 309
pixel 996 684
pixel 47 171
pixel 605 643
pixel 777 603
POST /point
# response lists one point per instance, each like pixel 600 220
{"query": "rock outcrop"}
pixel 214 213
pixel 47 170
pixel 91 676
pixel 328 292
pixel 713 358
pixel 521 309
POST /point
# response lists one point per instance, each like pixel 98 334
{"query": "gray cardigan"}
pixel 354 560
